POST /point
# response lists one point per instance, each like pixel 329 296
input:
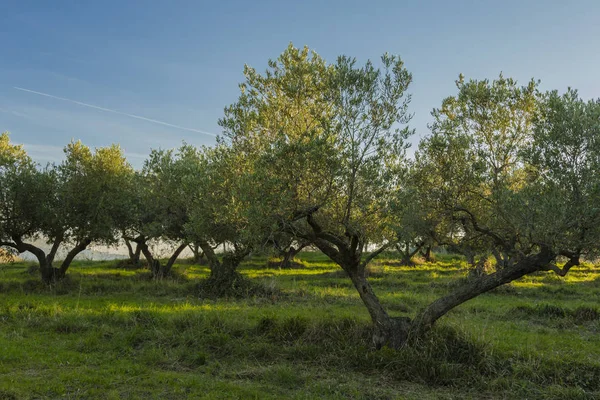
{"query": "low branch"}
pixel 569 254
pixel 329 251
pixel 565 269
pixel 482 229
pixel 23 247
pixel 374 254
pixel 320 234
pixel 476 286
pixel 9 244
pixel 81 246
pixel 174 257
pixel 298 215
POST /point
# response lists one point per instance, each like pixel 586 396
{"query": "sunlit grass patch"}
pixel 112 332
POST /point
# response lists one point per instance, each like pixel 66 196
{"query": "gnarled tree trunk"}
pixel 427 254
pixel 48 272
pixel 289 255
pixel 198 254
pixel 476 286
pixel 394 332
pixel 387 331
pixel 223 273
pixel 407 254
pixel 134 254
pixel 158 270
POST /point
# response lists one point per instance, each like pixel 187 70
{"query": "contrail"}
pixel 115 111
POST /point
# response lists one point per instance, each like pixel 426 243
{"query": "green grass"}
pixel 112 332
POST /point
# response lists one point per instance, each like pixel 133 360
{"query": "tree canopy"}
pixel 80 201
pixel 314 154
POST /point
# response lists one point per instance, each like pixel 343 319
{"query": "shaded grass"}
pixel 111 332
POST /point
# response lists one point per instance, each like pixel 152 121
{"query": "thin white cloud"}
pixel 18 114
pixel 115 111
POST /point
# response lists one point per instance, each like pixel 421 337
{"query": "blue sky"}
pixel 179 62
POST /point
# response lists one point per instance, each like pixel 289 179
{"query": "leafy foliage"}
pixel 314 154
pixel 83 200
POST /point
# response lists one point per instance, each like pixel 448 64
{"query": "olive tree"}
pixel 81 201
pixel 214 192
pixel 327 145
pixel 519 169
pixel 134 250
pixel 286 248
pixel 160 207
pixel 25 194
pixel 416 223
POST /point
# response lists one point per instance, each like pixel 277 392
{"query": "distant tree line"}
pixel 314 154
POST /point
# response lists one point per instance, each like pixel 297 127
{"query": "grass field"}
pixel 110 332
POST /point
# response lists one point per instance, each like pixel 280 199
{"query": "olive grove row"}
pixel 314 153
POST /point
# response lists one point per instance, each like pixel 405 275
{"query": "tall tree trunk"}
pixel 387 331
pixel 476 286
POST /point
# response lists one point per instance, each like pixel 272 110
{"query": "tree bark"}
pixel 387 331
pixel 81 246
pixel 167 268
pixel 211 256
pixel 197 252
pixel 134 255
pixel 407 255
pixel 223 274
pixel 54 249
pixel 48 273
pixel 427 255
pixel 158 270
pixel 129 248
pixel 476 286
pixel 289 255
